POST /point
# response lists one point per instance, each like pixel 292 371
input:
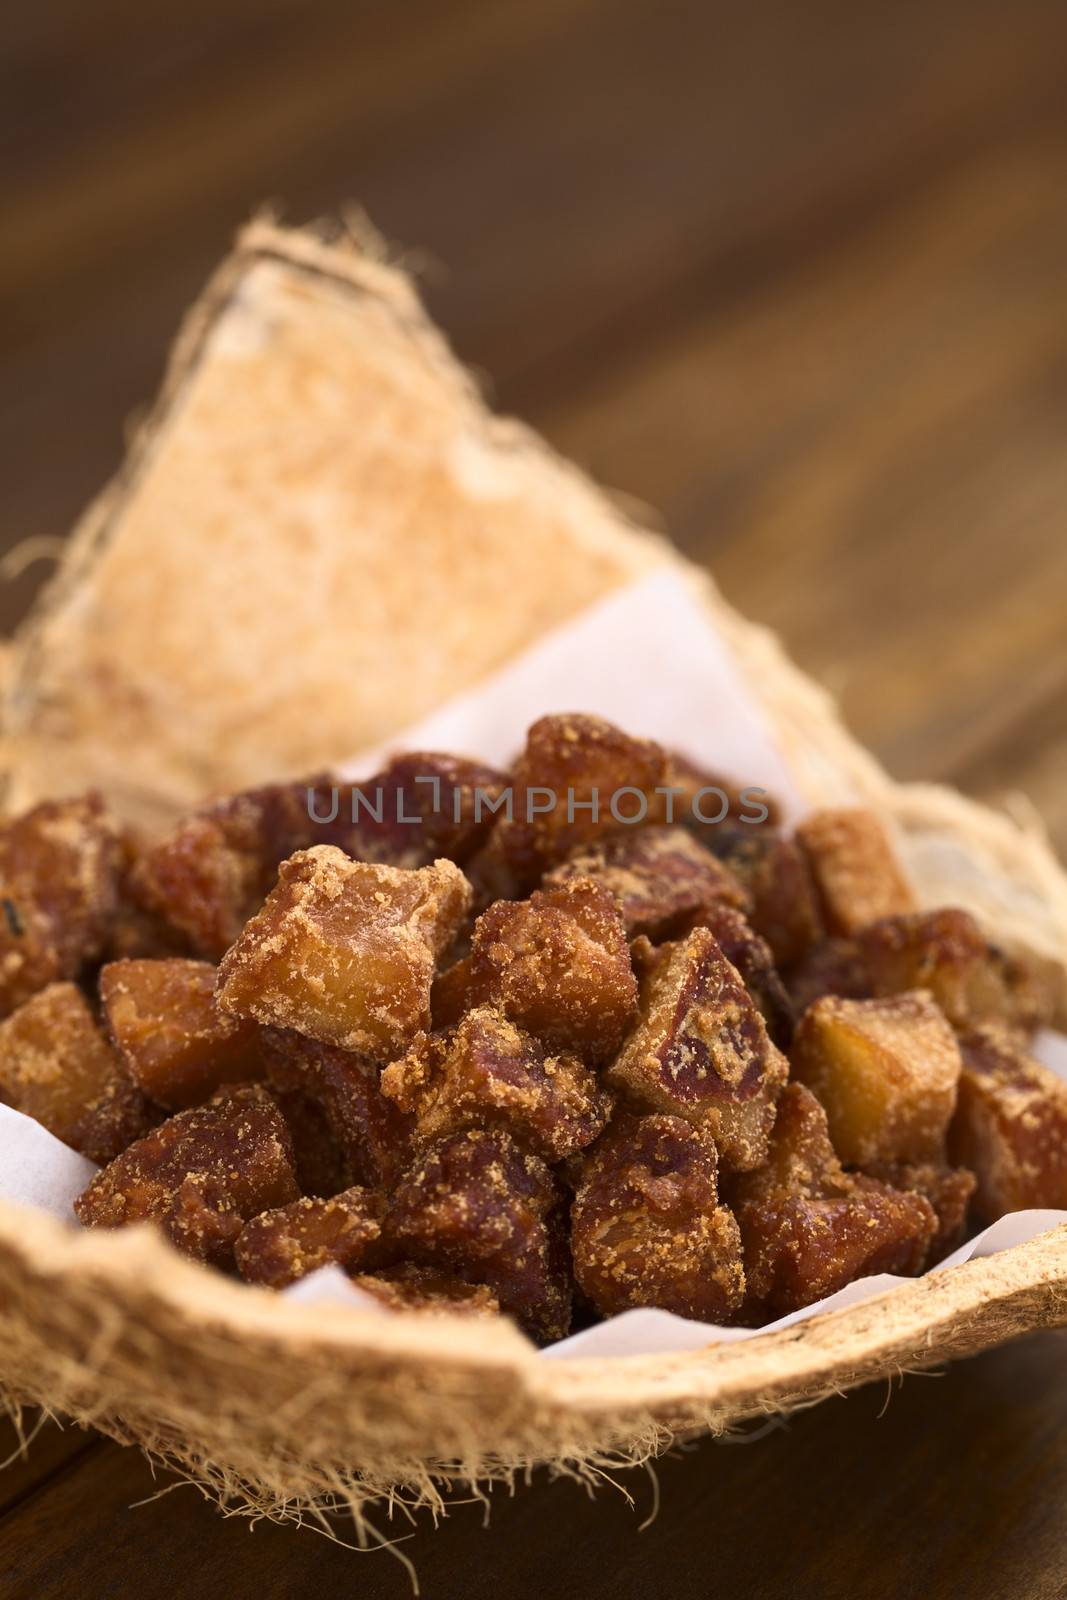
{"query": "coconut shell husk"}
pixel 320 534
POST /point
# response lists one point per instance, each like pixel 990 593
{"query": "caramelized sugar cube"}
pixel 700 1050
pixel 775 871
pixel 945 952
pixel 420 808
pixel 59 869
pixel 201 1175
pixel 857 875
pixel 344 951
pixel 808 1227
pixel 477 1205
pixel 488 1073
pixel 176 1043
pixel 287 1243
pixel 662 879
pixel 57 1067
pixel 886 1073
pixel 1010 1126
pixel 647 1228
pixel 412 1288
pixel 949 1191
pixel 578 779
pixel 367 1130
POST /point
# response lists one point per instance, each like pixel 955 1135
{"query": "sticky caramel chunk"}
pixel 412 1288
pixel 775 871
pixel 662 879
pixel 201 1175
pixel 57 1067
pixel 808 1227
pixel 420 808
pixel 945 952
pixel 59 870
pixel 176 1043
pixel 279 1246
pixel 647 1228
pixel 344 951
pixel 857 875
pixel 752 956
pixel 477 1205
pixel 370 1132
pixel 949 1191
pixel 1010 1126
pixel 578 779
pixel 488 1073
pixel 558 965
pixel 886 1073
pixel 700 1050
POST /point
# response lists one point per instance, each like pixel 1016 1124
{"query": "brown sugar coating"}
pixel 662 879
pixel 1010 1126
pixel 344 951
pixel 700 1050
pixel 775 872
pixel 489 1073
pixel 200 1176
pixel 178 1046
pixel 413 1288
pixel 578 779
pixel 808 1227
pixel 558 965
pixel 477 1205
pixel 949 1191
pixel 280 1246
pixel 57 1067
pixel 369 1133
pixel 646 1226
pixel 417 809
pixel 857 876
pixel 943 951
pixel 886 1073
pixel 753 958
pixel 60 866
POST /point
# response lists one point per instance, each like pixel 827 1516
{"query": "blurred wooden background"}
pixel 794 275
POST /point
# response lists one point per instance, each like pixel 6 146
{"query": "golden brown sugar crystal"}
pixel 489 1073
pixel 344 951
pixel 943 951
pixel 647 1227
pixel 662 879
pixel 886 1072
pixel 280 1246
pixel 700 1050
pixel 1010 1126
pixel 775 872
pixel 368 1132
pixel 578 779
pixel 809 1228
pixel 421 807
pixel 949 1190
pixel 57 1067
pixel 201 1175
pixel 857 875
pixel 412 1288
pixel 558 965
pixel 176 1043
pixel 477 1205
pixel 59 871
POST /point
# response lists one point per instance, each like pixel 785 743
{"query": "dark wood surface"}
pixel 795 275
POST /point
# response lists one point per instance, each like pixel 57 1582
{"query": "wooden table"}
pixel 794 275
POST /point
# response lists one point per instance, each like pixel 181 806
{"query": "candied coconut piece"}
pixel 886 1073
pixel 370 1132
pixel 280 1246
pixel 60 866
pixel 578 778
pixel 412 1288
pixel 558 965
pixel 344 951
pixel 1010 1126
pixel 201 1175
pixel 946 952
pixel 177 1044
pixel 646 1226
pixel 949 1190
pixel 57 1067
pixel 478 1205
pixel 700 1050
pixel 808 1227
pixel 662 879
pixel 857 875
pixel 775 871
pixel 489 1073
pixel 421 807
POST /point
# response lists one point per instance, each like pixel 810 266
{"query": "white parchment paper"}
pixel 648 659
